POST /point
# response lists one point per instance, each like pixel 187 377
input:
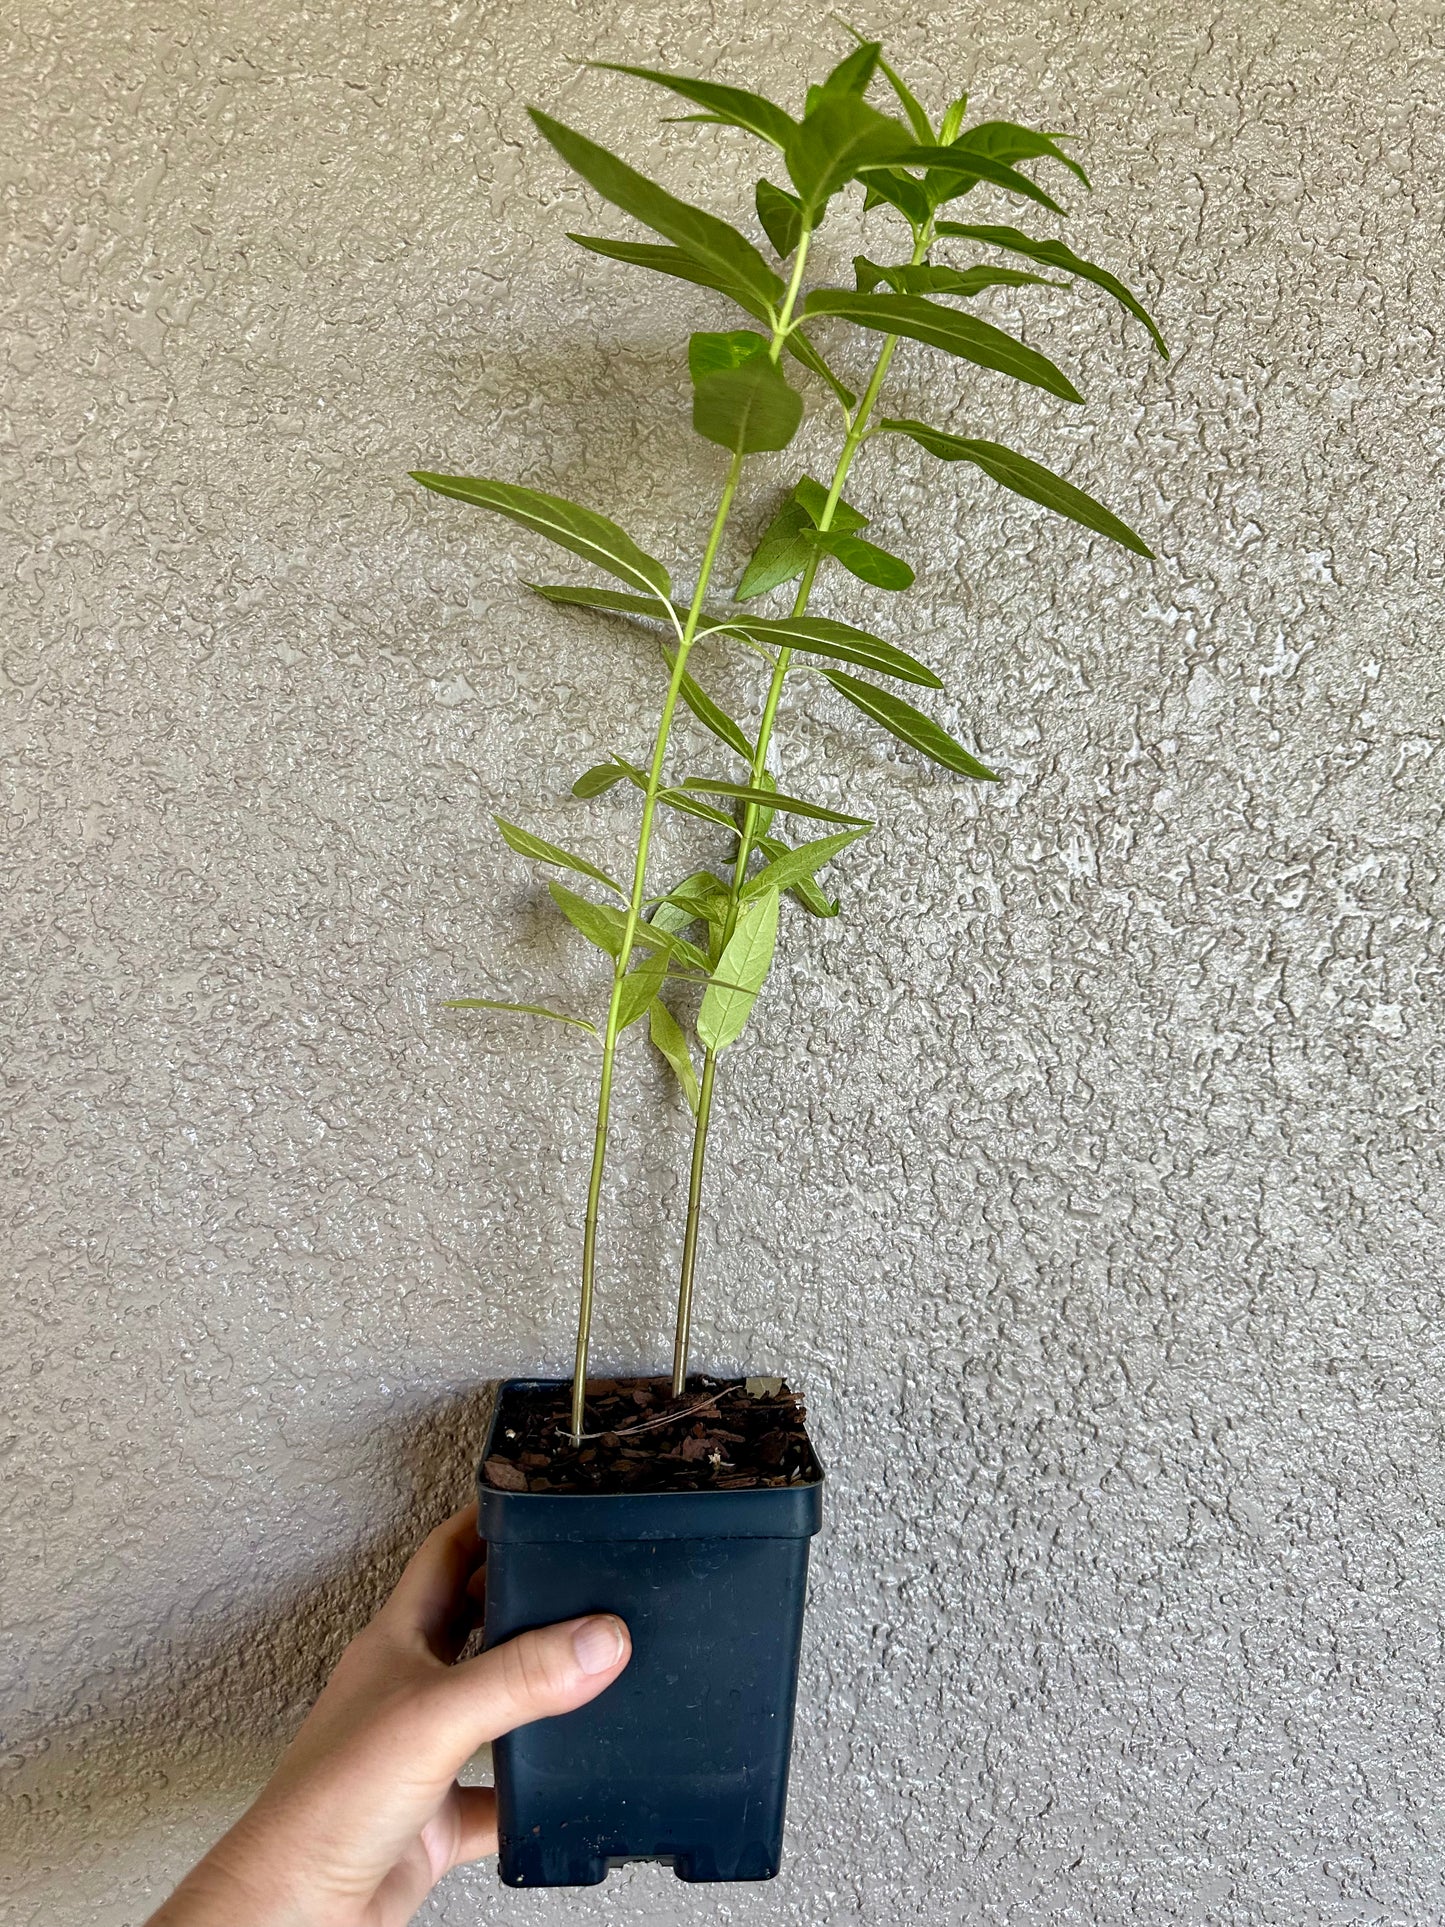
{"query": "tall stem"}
pixel 629 934
pixel 852 442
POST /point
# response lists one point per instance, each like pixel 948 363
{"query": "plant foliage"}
pixel 695 960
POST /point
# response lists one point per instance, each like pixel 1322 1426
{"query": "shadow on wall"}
pixel 202 1718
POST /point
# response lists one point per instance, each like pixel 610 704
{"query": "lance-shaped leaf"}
pixel 639 987
pixel 799 865
pixel 879 567
pixel 1025 477
pixel 701 234
pixel 605 927
pixel 601 776
pixel 910 726
pixel 781 216
pixel 851 75
pixel 771 800
pixel 1005 140
pixel 541 851
pixel 813 497
pixel 741 399
pixel 731 106
pixel 863 559
pixel 820 636
pixel 784 548
pixel 912 106
pixel 667 1034
pixel 899 190
pixel 677 263
pixel 612 601
pixel 526 1010
pixel 741 972
pixel 583 531
pixel 781 554
pixel 958 334
pixel 710 714
pixel 808 894
pixel 1055 254
pixel 954 169
pixel 841 136
pixel 927 278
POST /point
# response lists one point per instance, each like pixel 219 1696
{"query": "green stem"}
pixel 629 933
pixel 853 441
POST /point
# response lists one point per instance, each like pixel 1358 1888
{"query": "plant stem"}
pixel 624 952
pixel 853 441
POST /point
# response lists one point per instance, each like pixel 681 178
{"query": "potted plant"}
pixel 687 1504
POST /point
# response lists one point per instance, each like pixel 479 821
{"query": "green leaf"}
pixel 639 987
pixel 771 800
pixel 812 497
pixel 741 972
pixel 1025 477
pixel 813 900
pixel 667 1034
pixel 782 553
pixel 854 71
pixel 899 190
pixel 709 353
pixel 799 865
pixel 801 349
pixel 677 263
pixel 912 106
pixel 1054 254
pixel 687 805
pixel 910 726
pixel 959 334
pixel 710 714
pixel 599 924
pixel 1005 140
pixel 831 144
pixel 866 560
pixel 536 847
pixel 731 106
pixel 780 214
pixel 601 776
pixel 954 169
pixel 582 531
pixel 614 601
pixel 952 123
pixel 605 927
pixel 747 407
pixel 527 1010
pixel 700 234
pixel 929 279
pixel 819 636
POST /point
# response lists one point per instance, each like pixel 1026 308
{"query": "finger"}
pixel 533 1677
pixel 433 1589
pixel 476 1815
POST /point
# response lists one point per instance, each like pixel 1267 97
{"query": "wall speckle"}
pixel 1087 1172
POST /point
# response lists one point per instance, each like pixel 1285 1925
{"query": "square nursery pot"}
pixel 685 1758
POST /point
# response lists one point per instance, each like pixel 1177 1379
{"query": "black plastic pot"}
pixel 684 1759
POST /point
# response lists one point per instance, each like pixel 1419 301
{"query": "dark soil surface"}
pixel 722 1435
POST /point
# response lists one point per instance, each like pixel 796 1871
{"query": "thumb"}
pixel 532 1677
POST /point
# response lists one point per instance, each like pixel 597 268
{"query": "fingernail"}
pixel 598 1643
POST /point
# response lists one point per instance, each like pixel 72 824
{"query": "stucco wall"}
pixel 1087 1173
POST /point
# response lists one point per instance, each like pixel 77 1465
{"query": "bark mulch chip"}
pixel 721 1435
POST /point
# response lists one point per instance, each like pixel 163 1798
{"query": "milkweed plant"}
pixel 718 926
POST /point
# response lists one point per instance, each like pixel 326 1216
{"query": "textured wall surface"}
pixel 1087 1172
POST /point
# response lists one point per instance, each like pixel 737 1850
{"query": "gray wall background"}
pixel 1087 1173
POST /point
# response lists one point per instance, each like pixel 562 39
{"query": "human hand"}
pixel 364 1814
